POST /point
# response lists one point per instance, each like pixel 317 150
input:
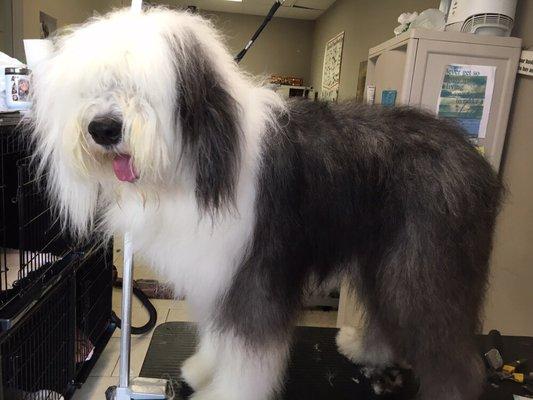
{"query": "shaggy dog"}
pixel 241 199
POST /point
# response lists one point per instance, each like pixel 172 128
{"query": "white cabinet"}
pixel 413 64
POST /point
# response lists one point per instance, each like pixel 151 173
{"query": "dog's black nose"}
pixel 105 131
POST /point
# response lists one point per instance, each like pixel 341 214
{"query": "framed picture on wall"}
pixel 331 72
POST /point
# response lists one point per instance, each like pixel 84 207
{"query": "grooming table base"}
pixel 316 371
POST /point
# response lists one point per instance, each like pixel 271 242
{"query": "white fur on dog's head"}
pixel 184 105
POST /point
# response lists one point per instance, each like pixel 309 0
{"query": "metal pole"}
pixel 127 289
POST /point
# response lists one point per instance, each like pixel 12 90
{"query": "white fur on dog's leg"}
pixel 198 369
pixel 352 344
pixel 246 372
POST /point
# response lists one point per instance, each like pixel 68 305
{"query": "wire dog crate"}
pixel 94 287
pixel 37 353
pixel 55 300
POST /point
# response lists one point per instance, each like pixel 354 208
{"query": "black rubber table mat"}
pixel 316 370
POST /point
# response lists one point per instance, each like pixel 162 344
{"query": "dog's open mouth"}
pixel 124 168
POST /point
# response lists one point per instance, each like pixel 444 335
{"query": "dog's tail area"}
pixel 424 287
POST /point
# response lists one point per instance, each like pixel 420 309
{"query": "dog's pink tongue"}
pixel 123 167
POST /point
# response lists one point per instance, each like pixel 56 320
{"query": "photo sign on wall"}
pixel 331 73
pixel 466 97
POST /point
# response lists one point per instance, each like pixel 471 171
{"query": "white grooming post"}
pixel 137 388
pixel 125 333
pixel 127 287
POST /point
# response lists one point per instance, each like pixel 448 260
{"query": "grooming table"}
pixel 316 370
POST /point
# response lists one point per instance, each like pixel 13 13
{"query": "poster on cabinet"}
pixel 466 96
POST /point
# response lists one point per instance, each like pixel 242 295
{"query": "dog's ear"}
pixel 209 118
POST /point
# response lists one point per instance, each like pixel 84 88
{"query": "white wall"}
pixel 510 300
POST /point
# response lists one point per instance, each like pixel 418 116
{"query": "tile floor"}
pixel 105 372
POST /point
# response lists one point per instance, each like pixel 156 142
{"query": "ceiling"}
pixel 300 9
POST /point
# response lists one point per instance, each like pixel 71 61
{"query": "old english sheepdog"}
pixel 241 199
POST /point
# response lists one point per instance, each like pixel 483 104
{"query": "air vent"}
pixel 488 24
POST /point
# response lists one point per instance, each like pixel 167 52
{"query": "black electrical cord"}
pixel 267 19
pixel 152 312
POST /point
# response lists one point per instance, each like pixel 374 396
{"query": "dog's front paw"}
pixel 197 372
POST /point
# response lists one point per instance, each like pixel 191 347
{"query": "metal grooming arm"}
pixel 136 388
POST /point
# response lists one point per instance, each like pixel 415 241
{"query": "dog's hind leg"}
pixel 430 289
pixel 434 327
pixel 431 265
